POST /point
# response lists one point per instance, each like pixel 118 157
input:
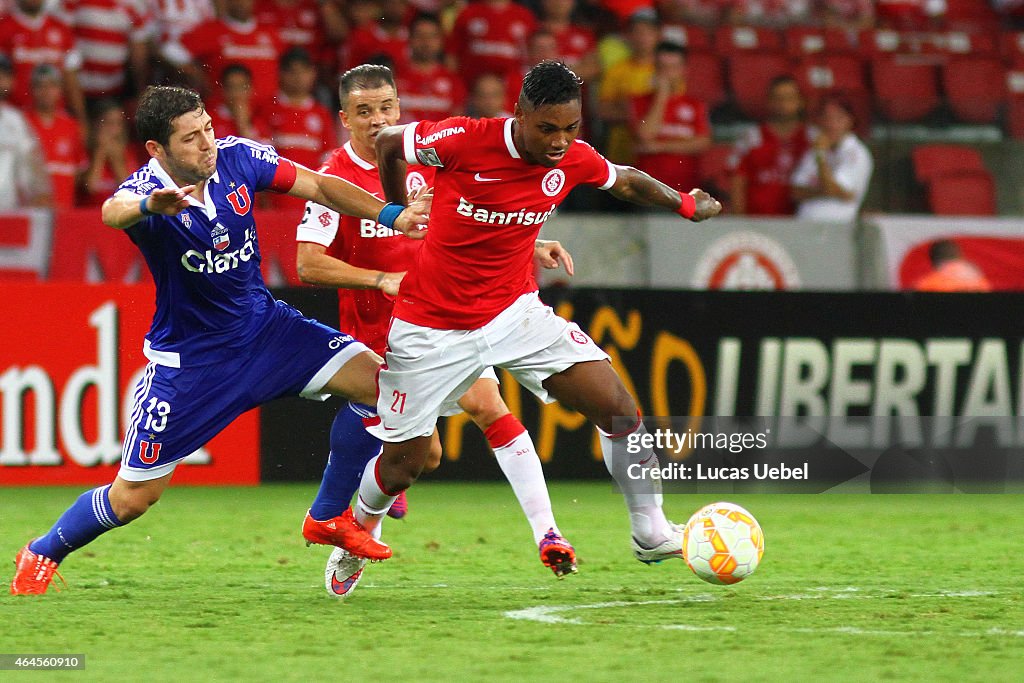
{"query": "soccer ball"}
pixel 723 543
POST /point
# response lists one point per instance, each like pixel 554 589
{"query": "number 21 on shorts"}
pixel 398 405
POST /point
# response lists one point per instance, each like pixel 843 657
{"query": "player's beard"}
pixel 191 174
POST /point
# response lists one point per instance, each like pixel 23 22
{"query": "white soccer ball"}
pixel 723 543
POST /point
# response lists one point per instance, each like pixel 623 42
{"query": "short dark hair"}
pixel 159 106
pixel 670 47
pixel 426 17
pixel 942 251
pixel 364 77
pixel 783 79
pixel 235 68
pixel 294 55
pixel 549 82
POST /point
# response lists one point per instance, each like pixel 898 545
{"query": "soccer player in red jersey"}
pixel 764 158
pixel 367 262
pixel 470 302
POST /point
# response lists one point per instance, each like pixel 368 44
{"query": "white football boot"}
pixel 666 550
pixel 342 574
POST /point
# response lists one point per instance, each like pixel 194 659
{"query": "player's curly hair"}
pixel 364 77
pixel 159 106
pixel 549 82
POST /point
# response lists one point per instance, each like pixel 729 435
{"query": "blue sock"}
pixel 351 448
pixel 89 516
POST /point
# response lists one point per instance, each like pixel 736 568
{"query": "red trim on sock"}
pixel 629 431
pixel 380 484
pixel 504 431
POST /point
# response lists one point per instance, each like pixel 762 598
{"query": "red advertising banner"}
pixel 70 357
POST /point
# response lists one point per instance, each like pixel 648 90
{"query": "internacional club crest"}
pixel 552 182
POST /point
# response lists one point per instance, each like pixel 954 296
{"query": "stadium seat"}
pixel 933 161
pixel 904 89
pixel 975 88
pixel 967 43
pixel 730 40
pixel 971 15
pixel 1015 102
pixel 749 76
pixel 704 78
pixel 831 72
pixel 693 38
pixel 802 41
pixel 967 193
pixel 1012 47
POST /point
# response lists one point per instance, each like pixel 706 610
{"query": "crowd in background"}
pixel 70 70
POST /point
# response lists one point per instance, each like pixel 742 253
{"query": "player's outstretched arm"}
pixel 344 197
pixel 316 267
pixel 125 209
pixel 637 187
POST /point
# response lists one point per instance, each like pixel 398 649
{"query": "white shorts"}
pixel 427 370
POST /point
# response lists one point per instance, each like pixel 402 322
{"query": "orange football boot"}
pixel 346 533
pixel 557 554
pixel 33 574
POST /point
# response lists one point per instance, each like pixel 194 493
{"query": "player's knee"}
pixel 132 504
pixel 433 458
pixel 615 404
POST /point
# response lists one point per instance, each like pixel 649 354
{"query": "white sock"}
pixel 372 503
pixel 521 465
pixel 642 494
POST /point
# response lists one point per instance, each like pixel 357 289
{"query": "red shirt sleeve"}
pixel 594 169
pixel 438 143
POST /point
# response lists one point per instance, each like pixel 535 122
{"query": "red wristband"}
pixel 688 207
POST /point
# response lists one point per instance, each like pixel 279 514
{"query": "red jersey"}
pixel 61 142
pixel 298 23
pixel 303 133
pixel 105 29
pixel 222 42
pixel 685 118
pixel 430 95
pixel 767 162
pixel 31 41
pixel 225 125
pixel 370 40
pixel 486 39
pixel 574 42
pixel 489 206
pixel 364 243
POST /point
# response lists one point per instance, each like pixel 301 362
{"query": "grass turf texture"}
pixel 216 584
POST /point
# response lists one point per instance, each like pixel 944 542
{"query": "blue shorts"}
pixel 178 410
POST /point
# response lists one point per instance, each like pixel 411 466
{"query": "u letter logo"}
pixel 240 200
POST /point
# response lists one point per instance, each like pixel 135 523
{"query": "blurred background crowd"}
pixel 774 105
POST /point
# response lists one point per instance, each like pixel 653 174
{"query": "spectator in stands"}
pixel 951 272
pixel 308 24
pixel 765 156
pixel 235 38
pixel 60 136
pixel 488 98
pixel 23 180
pixel 577 45
pixel 771 13
pixel 850 15
pixel 299 127
pixel 112 157
pixel 30 35
pixel 625 80
pixel 116 38
pixel 671 128
pixel 489 37
pixel 430 90
pixel 831 179
pixel 708 13
pixel 236 111
pixel 387 35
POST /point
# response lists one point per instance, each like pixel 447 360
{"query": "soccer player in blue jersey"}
pixel 219 343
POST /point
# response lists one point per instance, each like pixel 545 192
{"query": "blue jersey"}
pixel 205 261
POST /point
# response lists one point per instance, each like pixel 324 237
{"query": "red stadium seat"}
pixel 1012 47
pixel 975 88
pixel 831 72
pixel 933 161
pixel 971 15
pixel 1015 103
pixel 749 76
pixel 733 39
pixel 802 41
pixel 904 90
pixel 967 42
pixel 968 193
pixel 704 78
pixel 693 38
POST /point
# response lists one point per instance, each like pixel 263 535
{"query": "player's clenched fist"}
pixel 413 220
pixel 707 206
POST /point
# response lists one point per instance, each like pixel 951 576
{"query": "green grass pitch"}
pixel 216 584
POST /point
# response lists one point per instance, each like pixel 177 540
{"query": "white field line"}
pixel 559 614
